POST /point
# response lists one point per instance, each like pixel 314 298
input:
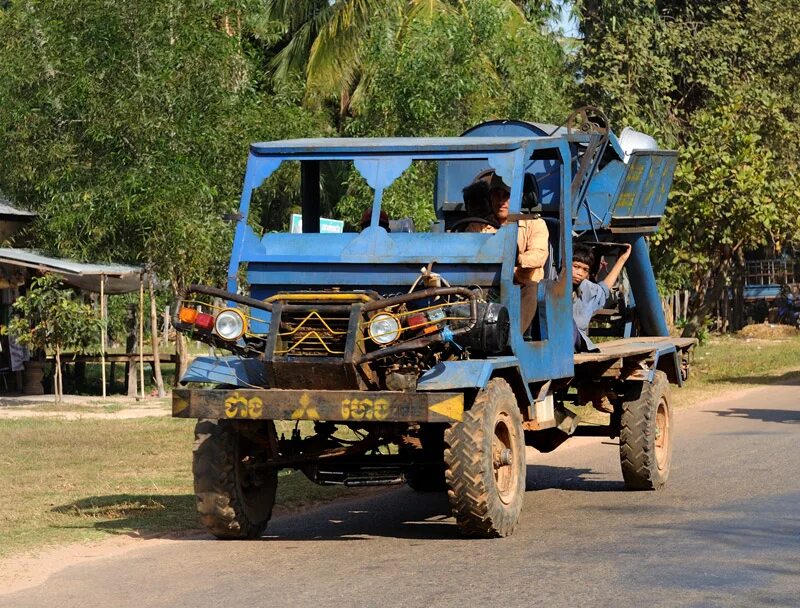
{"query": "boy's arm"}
pixel 613 274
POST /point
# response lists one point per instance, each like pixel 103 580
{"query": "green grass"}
pixel 68 481
pixel 732 363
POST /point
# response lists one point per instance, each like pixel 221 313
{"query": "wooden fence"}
pixel 675 307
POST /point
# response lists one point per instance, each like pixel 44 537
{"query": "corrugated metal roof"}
pixel 120 278
pixel 8 208
pixel 348 145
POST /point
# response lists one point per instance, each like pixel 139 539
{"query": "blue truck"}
pixel 390 357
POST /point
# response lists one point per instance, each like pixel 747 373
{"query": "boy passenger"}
pixel 589 297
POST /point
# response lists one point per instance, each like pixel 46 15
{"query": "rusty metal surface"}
pixel 338 406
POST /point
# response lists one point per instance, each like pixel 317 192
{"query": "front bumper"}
pixel 334 406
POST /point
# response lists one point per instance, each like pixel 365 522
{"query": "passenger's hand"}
pixel 626 252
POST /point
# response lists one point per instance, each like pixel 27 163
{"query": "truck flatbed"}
pixel 635 358
pixel 631 347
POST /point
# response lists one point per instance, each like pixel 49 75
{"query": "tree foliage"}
pixel 52 318
pixel 715 79
pixel 439 74
pixel 126 126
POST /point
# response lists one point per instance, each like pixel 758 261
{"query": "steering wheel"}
pixel 462 224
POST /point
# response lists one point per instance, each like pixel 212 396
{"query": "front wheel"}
pixel 235 491
pixel 485 464
pixel 645 438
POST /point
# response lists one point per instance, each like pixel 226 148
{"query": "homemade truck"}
pixel 404 349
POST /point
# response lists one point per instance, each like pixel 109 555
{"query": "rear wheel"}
pixel 645 439
pixel 485 464
pixel 235 495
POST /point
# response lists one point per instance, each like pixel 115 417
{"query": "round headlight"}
pixel 230 324
pixel 384 328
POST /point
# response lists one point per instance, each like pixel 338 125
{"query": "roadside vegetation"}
pixel 735 362
pixel 71 480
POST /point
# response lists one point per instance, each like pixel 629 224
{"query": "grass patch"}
pixel 68 481
pixel 728 363
pixel 113 408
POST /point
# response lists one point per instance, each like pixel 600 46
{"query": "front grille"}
pixel 312 334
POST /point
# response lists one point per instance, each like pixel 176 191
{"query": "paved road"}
pixel 725 532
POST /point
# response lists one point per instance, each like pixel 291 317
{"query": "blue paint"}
pixel 645 290
pixel 233 371
pixel 450 375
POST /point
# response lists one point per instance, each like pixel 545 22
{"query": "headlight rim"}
pixel 239 314
pixel 396 332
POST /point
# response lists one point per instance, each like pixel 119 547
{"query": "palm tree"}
pixel 325 37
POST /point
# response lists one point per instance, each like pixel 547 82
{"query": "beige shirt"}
pixel 532 249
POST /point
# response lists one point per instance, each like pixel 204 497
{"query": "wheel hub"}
pixel 503 461
pixel 506 458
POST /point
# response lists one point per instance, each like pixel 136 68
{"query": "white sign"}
pixel 325 224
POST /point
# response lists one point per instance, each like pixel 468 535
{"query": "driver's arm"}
pixel 532 242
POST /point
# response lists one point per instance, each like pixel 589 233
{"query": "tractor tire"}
pixel 428 446
pixel 233 500
pixel 485 464
pixel 645 438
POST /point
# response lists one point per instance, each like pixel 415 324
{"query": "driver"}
pixel 532 247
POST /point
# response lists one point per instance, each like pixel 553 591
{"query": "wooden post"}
pixel 141 334
pixel 103 332
pixel 182 357
pixel 310 194
pixel 165 328
pixel 57 386
pixel 154 339
pixel 130 350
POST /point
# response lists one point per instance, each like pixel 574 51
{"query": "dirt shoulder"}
pixel 75 407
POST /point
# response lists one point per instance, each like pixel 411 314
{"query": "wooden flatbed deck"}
pixel 631 347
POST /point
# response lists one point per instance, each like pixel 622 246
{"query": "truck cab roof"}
pixel 364 146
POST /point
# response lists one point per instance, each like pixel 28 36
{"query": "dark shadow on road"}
pixel 787 378
pixel 765 415
pixel 399 514
pixel 415 515
pixel 542 477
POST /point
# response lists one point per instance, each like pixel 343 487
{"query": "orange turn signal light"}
pixel 187 315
